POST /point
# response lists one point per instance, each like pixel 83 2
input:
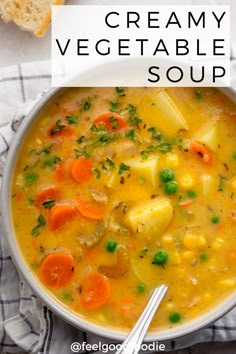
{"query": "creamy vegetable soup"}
pixel 119 190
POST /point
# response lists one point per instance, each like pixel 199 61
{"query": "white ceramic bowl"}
pixel 57 307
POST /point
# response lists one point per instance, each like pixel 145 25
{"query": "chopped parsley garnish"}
pixel 30 178
pixel 26 167
pixel 110 163
pixel 114 106
pixel 84 152
pixel 114 122
pixel 155 134
pixel 123 167
pixel 191 194
pixel 143 253
pixel 198 95
pixel 41 224
pixel 163 146
pixel 54 160
pixel 120 91
pixel 80 140
pixel 30 201
pixel 96 171
pixel 49 203
pixel 220 187
pixel 58 128
pixel 132 110
pixel 130 134
pixel 72 119
pixel 86 105
pixel 134 121
pixel 45 150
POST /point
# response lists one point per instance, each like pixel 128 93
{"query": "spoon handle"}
pixel 133 342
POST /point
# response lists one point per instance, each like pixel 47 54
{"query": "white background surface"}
pixel 17 46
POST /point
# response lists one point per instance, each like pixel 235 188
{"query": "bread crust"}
pixel 29 15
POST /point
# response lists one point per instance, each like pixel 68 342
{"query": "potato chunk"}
pixel 147 169
pixel 151 218
pixel 210 138
pixel 165 115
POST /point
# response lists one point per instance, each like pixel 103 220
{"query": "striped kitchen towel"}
pixel 25 322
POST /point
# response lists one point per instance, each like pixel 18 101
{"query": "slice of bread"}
pixel 30 15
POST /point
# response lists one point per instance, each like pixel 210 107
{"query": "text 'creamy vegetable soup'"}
pixel 125 189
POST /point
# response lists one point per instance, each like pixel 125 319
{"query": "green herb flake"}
pixel 72 119
pixel 96 171
pixel 26 167
pixel 123 167
pixel 110 163
pixel 114 122
pixel 49 204
pixel 132 110
pixel 114 106
pixel 80 140
pixel 141 288
pixel 30 178
pixel 155 134
pixel 215 220
pixel 41 221
pixel 130 134
pixel 198 96
pixel 142 253
pixel 120 91
pixel 54 160
pixel 67 296
pixel 134 121
pixel 87 105
pixel 58 128
pixel 191 194
pixel 30 202
pixel 35 265
pixel 203 257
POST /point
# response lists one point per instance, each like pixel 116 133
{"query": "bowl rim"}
pixel 40 290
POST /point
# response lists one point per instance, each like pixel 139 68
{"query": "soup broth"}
pixel 119 190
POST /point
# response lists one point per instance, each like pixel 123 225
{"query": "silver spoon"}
pixel 133 342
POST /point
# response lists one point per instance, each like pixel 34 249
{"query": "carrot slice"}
pixel 90 210
pixel 111 121
pixel 59 173
pixel 95 291
pixel 57 269
pixel 201 152
pixel 44 195
pixel 56 131
pixel 59 215
pixel 185 203
pixel 81 170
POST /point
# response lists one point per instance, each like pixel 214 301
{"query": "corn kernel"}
pixel 186 181
pixel 175 258
pixel 188 255
pixel 170 306
pixel 233 183
pixel 227 282
pixel 167 239
pixel 217 244
pixel 172 160
pixel 194 242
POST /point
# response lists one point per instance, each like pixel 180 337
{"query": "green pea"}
pixel 141 288
pixel 111 245
pixel 171 187
pixel 203 257
pixel 161 257
pixel 174 317
pixel 166 175
pixel 215 220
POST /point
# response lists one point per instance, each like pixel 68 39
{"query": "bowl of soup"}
pixel 110 192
